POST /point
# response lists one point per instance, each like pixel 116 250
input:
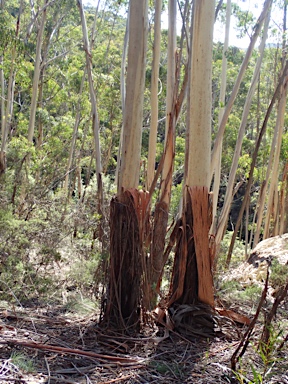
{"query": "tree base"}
pixel 127 214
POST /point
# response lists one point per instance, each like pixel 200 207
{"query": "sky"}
pixel 255 6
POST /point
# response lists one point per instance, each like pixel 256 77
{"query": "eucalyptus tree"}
pixel 192 272
pixel 36 76
pixel 95 118
pixel 127 210
pixel 154 94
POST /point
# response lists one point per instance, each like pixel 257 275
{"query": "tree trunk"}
pixel 128 209
pixel 36 75
pixel 95 119
pixel 154 95
pixel 284 200
pixel 3 125
pixel 195 273
pixel 78 114
pixel 123 90
pixel 6 117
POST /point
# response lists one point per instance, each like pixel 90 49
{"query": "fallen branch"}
pixel 71 351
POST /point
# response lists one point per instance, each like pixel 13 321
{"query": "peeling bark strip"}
pixel 202 219
pixel 184 285
pixel 155 263
pixel 127 213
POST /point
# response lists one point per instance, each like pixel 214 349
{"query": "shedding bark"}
pixel 166 180
pixel 126 251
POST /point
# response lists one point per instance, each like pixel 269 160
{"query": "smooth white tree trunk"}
pixel 133 114
pixel 199 128
pixel 154 95
pixel 36 75
pixel 95 119
pixel 123 91
pixel 78 109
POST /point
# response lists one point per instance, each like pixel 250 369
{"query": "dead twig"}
pixel 282 293
pixel 246 337
pixel 48 369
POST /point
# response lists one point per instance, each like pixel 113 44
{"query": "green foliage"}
pixel 23 362
pixel 251 293
pixel 83 271
pixel 238 254
pixel 279 274
pixel 266 363
pixel 176 194
pixel 164 368
pixel 34 252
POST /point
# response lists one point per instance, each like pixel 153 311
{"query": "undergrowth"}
pixel 50 253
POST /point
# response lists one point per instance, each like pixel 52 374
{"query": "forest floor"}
pixel 45 345
pixel 50 343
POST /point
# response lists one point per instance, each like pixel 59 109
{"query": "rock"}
pixel 270 249
pixel 254 270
